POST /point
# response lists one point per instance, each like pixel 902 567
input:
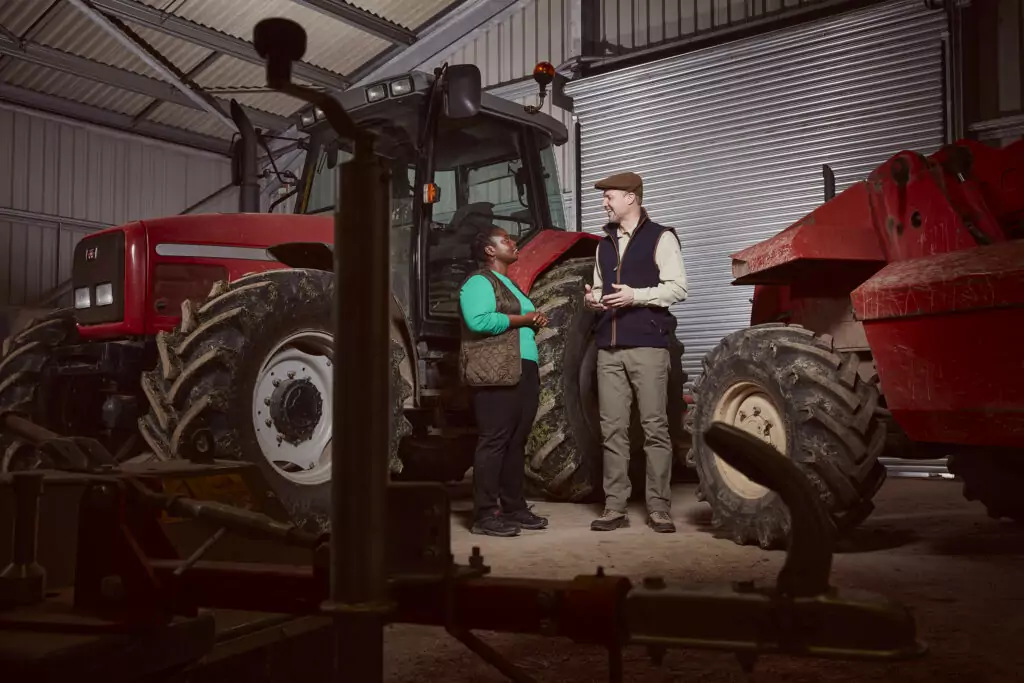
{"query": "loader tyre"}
pixel 995 481
pixel 563 451
pixel 25 355
pixel 792 389
pixel 247 375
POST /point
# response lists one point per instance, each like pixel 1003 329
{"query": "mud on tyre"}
pixel 247 376
pixel 563 452
pixel 25 355
pixel 793 390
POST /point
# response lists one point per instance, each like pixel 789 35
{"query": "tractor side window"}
pixel 483 181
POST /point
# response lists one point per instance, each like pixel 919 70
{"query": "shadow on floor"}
pixel 987 538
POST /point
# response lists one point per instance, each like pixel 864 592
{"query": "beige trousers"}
pixel 621 374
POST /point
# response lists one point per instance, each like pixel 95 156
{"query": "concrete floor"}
pixel 959 572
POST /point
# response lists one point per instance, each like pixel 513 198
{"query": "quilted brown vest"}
pixel 492 360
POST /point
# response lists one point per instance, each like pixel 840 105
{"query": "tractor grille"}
pixel 97 277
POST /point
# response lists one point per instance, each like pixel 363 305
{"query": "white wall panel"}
pixel 66 178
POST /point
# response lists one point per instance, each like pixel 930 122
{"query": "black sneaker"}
pixel 610 520
pixel 661 522
pixel 525 519
pixel 494 525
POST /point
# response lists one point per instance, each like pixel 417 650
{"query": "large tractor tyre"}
pixel 247 376
pixel 995 481
pixel 26 353
pixel 791 389
pixel 563 453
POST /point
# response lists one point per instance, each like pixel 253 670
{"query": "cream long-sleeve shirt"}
pixel 672 273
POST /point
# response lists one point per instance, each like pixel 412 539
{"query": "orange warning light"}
pixel 544 73
pixel 431 193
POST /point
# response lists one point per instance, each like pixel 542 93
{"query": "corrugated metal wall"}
pixel 994 69
pixel 731 139
pixel 617 27
pixel 62 180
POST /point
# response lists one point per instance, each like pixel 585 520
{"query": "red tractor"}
pixel 227 318
pixel 889 321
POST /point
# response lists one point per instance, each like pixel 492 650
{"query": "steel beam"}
pixel 204 101
pixel 110 119
pixel 440 36
pixel 362 19
pixel 119 78
pixel 192 74
pixel 194 33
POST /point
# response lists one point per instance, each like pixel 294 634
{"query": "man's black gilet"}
pixel 633 326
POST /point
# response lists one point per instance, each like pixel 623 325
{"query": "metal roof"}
pixel 168 68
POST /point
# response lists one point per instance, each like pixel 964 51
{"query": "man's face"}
pixel 616 204
pixel 504 247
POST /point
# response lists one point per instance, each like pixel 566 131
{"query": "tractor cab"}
pixel 460 160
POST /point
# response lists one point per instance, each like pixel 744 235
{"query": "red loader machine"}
pixel 200 336
pixel 889 321
pixel 138 611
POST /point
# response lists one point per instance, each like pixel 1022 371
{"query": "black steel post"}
pixel 23 581
pixel 248 171
pixel 830 181
pixel 361 436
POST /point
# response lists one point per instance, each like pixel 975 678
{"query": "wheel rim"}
pixel 749 407
pixel 292 407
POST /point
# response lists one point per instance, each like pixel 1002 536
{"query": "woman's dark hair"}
pixel 482 240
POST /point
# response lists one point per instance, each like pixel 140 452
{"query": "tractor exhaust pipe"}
pixel 244 169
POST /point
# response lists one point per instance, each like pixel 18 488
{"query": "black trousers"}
pixel 504 416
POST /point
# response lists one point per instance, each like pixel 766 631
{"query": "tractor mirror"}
pixel 462 91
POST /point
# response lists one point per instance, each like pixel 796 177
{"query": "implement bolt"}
pixel 476 560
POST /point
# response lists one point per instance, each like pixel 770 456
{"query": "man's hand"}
pixel 591 302
pixel 623 296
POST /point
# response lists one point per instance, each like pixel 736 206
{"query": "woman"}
pixel 498 359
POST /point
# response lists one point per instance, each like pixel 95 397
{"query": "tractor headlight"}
pixel 82 298
pixel 307 119
pixel 376 92
pixel 402 86
pixel 104 294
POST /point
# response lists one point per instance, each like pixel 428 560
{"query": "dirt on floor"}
pixel 958 571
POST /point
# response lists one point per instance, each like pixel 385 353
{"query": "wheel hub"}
pixel 749 407
pixel 296 408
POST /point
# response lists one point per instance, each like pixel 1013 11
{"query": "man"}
pixel 642 264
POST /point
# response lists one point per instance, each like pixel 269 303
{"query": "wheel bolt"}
pixel 269 422
pixel 277 382
pixel 266 401
pixel 291 375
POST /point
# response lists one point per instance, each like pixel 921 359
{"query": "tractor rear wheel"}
pixel 791 389
pixel 247 376
pixel 26 353
pixel 563 452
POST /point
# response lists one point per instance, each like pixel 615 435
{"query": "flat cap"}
pixel 627 182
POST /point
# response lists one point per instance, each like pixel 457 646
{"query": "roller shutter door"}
pixel 730 140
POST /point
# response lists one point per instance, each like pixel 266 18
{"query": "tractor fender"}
pixel 546 249
pixel 320 256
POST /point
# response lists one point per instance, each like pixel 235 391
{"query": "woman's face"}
pixel 505 250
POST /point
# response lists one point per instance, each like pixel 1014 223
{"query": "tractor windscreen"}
pixel 485 173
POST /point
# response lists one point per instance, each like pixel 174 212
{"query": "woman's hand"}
pixel 533 319
pixel 538 319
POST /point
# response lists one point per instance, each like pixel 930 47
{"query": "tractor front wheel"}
pixel 790 388
pixel 248 375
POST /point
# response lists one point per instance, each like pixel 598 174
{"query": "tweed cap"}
pixel 627 182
